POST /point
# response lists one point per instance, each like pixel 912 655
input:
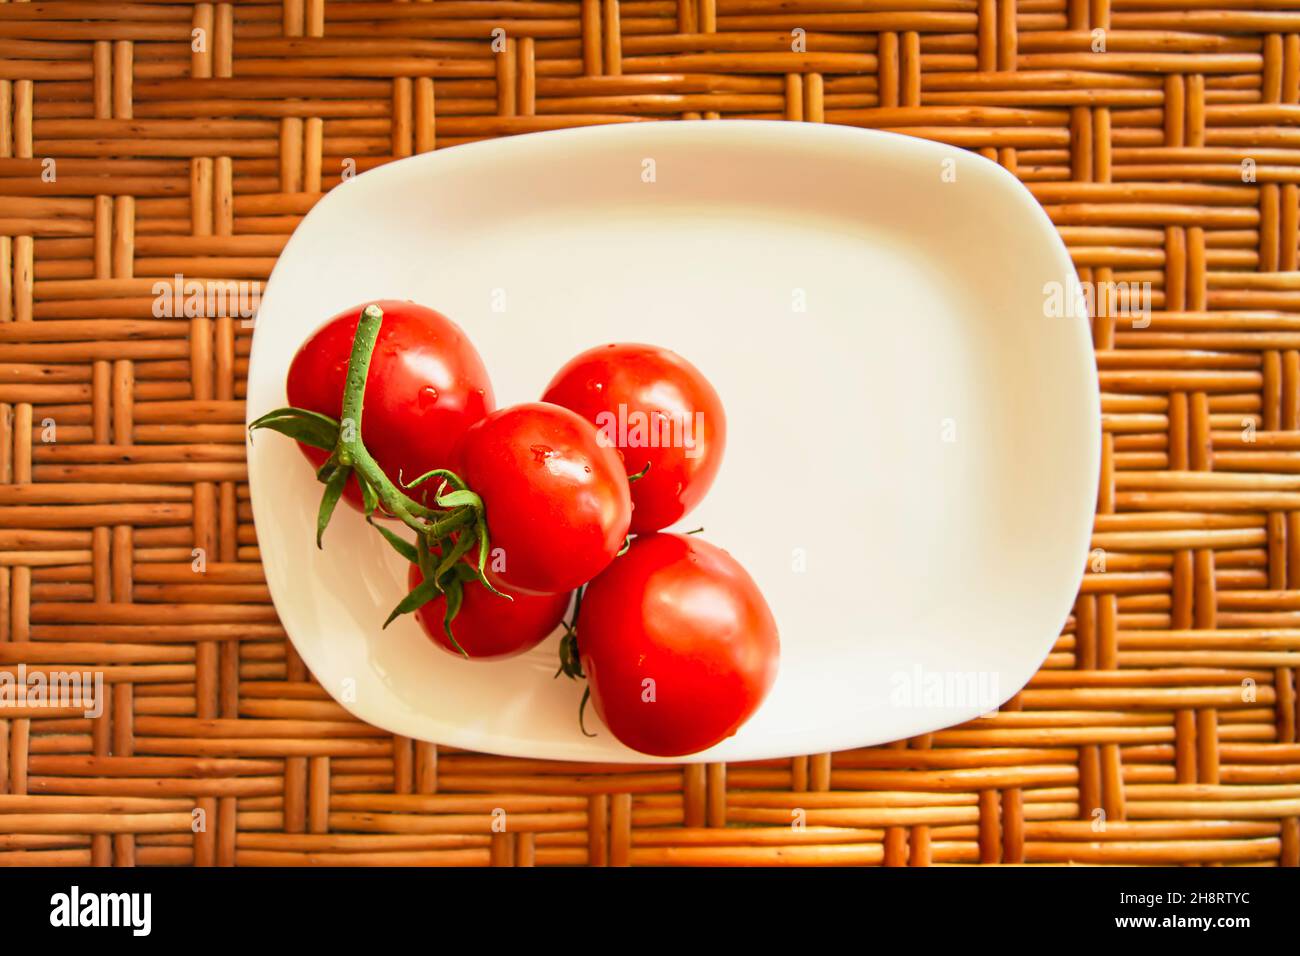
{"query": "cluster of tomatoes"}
pixel 519 513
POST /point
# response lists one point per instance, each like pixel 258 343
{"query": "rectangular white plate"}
pixel 913 440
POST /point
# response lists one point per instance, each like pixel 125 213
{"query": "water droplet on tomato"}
pixel 587 469
pixel 542 452
pixel 428 396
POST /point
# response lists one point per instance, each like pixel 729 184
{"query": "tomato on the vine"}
pixel 658 411
pixel 426 385
pixel 677 644
pixel 556 501
pixel 488 626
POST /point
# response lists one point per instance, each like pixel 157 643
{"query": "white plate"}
pixel 913 443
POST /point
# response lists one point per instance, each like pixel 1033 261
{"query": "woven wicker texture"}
pixel 192 138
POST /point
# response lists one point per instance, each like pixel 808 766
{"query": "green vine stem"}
pixel 351 452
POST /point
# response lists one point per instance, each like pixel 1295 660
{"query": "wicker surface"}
pixel 173 160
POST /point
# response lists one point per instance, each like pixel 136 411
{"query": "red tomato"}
pixel 678 645
pixel 657 409
pixel 556 501
pixel 426 385
pixel 488 626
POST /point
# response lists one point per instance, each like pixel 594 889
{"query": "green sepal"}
pixel 570 661
pixel 455 595
pixel 582 710
pixel 459 498
pixel 424 592
pixel 449 559
pixel 369 497
pixel 481 532
pixel 310 428
pixel 424 558
pixel 400 544
pixel 333 492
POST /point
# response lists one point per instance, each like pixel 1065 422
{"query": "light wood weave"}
pixel 173 155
